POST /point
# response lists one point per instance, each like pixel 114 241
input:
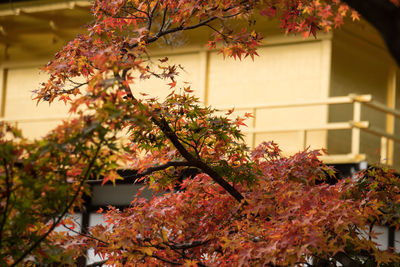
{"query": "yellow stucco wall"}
pixel 396 156
pixel 35 120
pixel 282 73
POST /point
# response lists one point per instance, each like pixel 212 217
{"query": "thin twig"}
pixel 173 30
pixel 220 33
pixel 195 162
pixel 141 11
pixel 151 16
pixel 165 260
pixel 150 170
pixel 164 17
pixel 86 235
pixel 187 245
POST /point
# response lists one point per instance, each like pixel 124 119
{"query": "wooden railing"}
pixel 356 125
pixel 387 136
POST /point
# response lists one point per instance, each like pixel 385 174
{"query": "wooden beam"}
pixel 381 107
pixel 42 6
pixel 390 119
pixel 361 98
pixel 343 158
pixel 355 132
pixel 327 101
pixel 327 126
pixel 382 133
pixel 3 90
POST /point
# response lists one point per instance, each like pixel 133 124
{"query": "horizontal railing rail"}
pixel 327 126
pixel 356 125
pixel 331 100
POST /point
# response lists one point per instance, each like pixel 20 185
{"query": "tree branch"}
pixel 176 29
pixel 188 245
pixel 195 162
pixel 68 207
pixel 155 168
pixel 165 260
pixel 141 11
pixel 191 160
pixel 85 235
pixel 164 18
pixel 151 16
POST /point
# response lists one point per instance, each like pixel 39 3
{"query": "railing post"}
pixel 390 120
pixel 3 91
pixel 355 132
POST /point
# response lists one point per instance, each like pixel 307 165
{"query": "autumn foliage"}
pixel 286 219
pixel 42 181
pixel 242 207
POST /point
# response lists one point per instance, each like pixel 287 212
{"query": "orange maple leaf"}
pixel 64 98
pixel 172 84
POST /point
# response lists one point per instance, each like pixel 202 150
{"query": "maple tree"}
pixel 42 181
pixel 242 207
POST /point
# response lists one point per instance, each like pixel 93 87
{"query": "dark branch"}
pixel 188 245
pixel 141 11
pixel 170 134
pixel 220 33
pixel 164 18
pixel 195 162
pixel 86 235
pixel 151 16
pixel 173 30
pixel 160 168
pixel 66 209
pixel 165 260
pixel 150 170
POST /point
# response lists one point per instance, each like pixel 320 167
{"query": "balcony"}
pixel 302 137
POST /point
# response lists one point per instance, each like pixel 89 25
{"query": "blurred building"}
pixel 338 91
